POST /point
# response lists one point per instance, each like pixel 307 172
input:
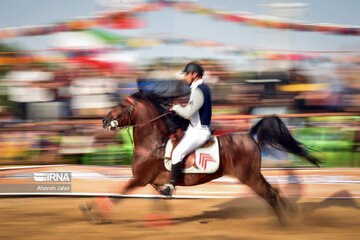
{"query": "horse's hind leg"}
pixel 258 183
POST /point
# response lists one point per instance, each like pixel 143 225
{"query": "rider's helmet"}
pixel 193 67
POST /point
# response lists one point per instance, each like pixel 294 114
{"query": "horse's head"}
pixel 121 115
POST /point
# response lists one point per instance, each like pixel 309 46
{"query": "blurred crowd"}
pixel 51 113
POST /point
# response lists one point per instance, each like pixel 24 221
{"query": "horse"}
pixel 240 153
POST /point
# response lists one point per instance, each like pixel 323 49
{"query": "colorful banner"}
pixel 259 21
pixel 129 20
pixel 128 43
pixel 113 20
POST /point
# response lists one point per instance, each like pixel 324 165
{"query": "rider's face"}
pixel 189 77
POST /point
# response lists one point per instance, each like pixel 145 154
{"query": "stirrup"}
pixel 168 190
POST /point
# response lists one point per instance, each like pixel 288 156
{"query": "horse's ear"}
pixel 130 99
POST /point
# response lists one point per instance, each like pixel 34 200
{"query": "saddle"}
pixel 179 134
pixel 205 159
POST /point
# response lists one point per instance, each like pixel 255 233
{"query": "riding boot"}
pixel 176 172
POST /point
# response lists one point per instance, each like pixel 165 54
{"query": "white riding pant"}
pixel 193 139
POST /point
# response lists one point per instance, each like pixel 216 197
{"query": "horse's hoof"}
pixel 293 211
pixel 85 209
pixel 167 191
pixel 91 215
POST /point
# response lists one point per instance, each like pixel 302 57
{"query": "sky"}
pixel 15 13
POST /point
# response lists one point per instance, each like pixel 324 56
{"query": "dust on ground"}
pixel 247 218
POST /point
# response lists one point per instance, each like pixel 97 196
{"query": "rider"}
pixel 198 110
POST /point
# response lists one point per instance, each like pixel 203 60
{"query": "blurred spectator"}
pixel 91 93
pixel 28 87
pixel 62 81
pixel 211 75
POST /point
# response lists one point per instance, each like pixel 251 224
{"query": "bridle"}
pixel 115 124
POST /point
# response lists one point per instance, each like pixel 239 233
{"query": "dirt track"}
pixel 59 218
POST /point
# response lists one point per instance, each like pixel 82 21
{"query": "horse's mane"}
pixel 162 104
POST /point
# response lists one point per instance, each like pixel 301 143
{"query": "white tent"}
pixel 75 41
pixel 129 57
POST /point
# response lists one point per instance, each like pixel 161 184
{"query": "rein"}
pixel 114 123
pixel 150 121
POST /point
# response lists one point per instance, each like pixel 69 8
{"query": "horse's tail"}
pixel 272 131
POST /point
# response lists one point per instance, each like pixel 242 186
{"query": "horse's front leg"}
pixel 99 209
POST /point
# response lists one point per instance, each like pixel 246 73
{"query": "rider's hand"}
pixel 172 107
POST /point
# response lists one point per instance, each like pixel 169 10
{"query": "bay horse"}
pixel 240 154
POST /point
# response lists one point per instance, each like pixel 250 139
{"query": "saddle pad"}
pixel 207 159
